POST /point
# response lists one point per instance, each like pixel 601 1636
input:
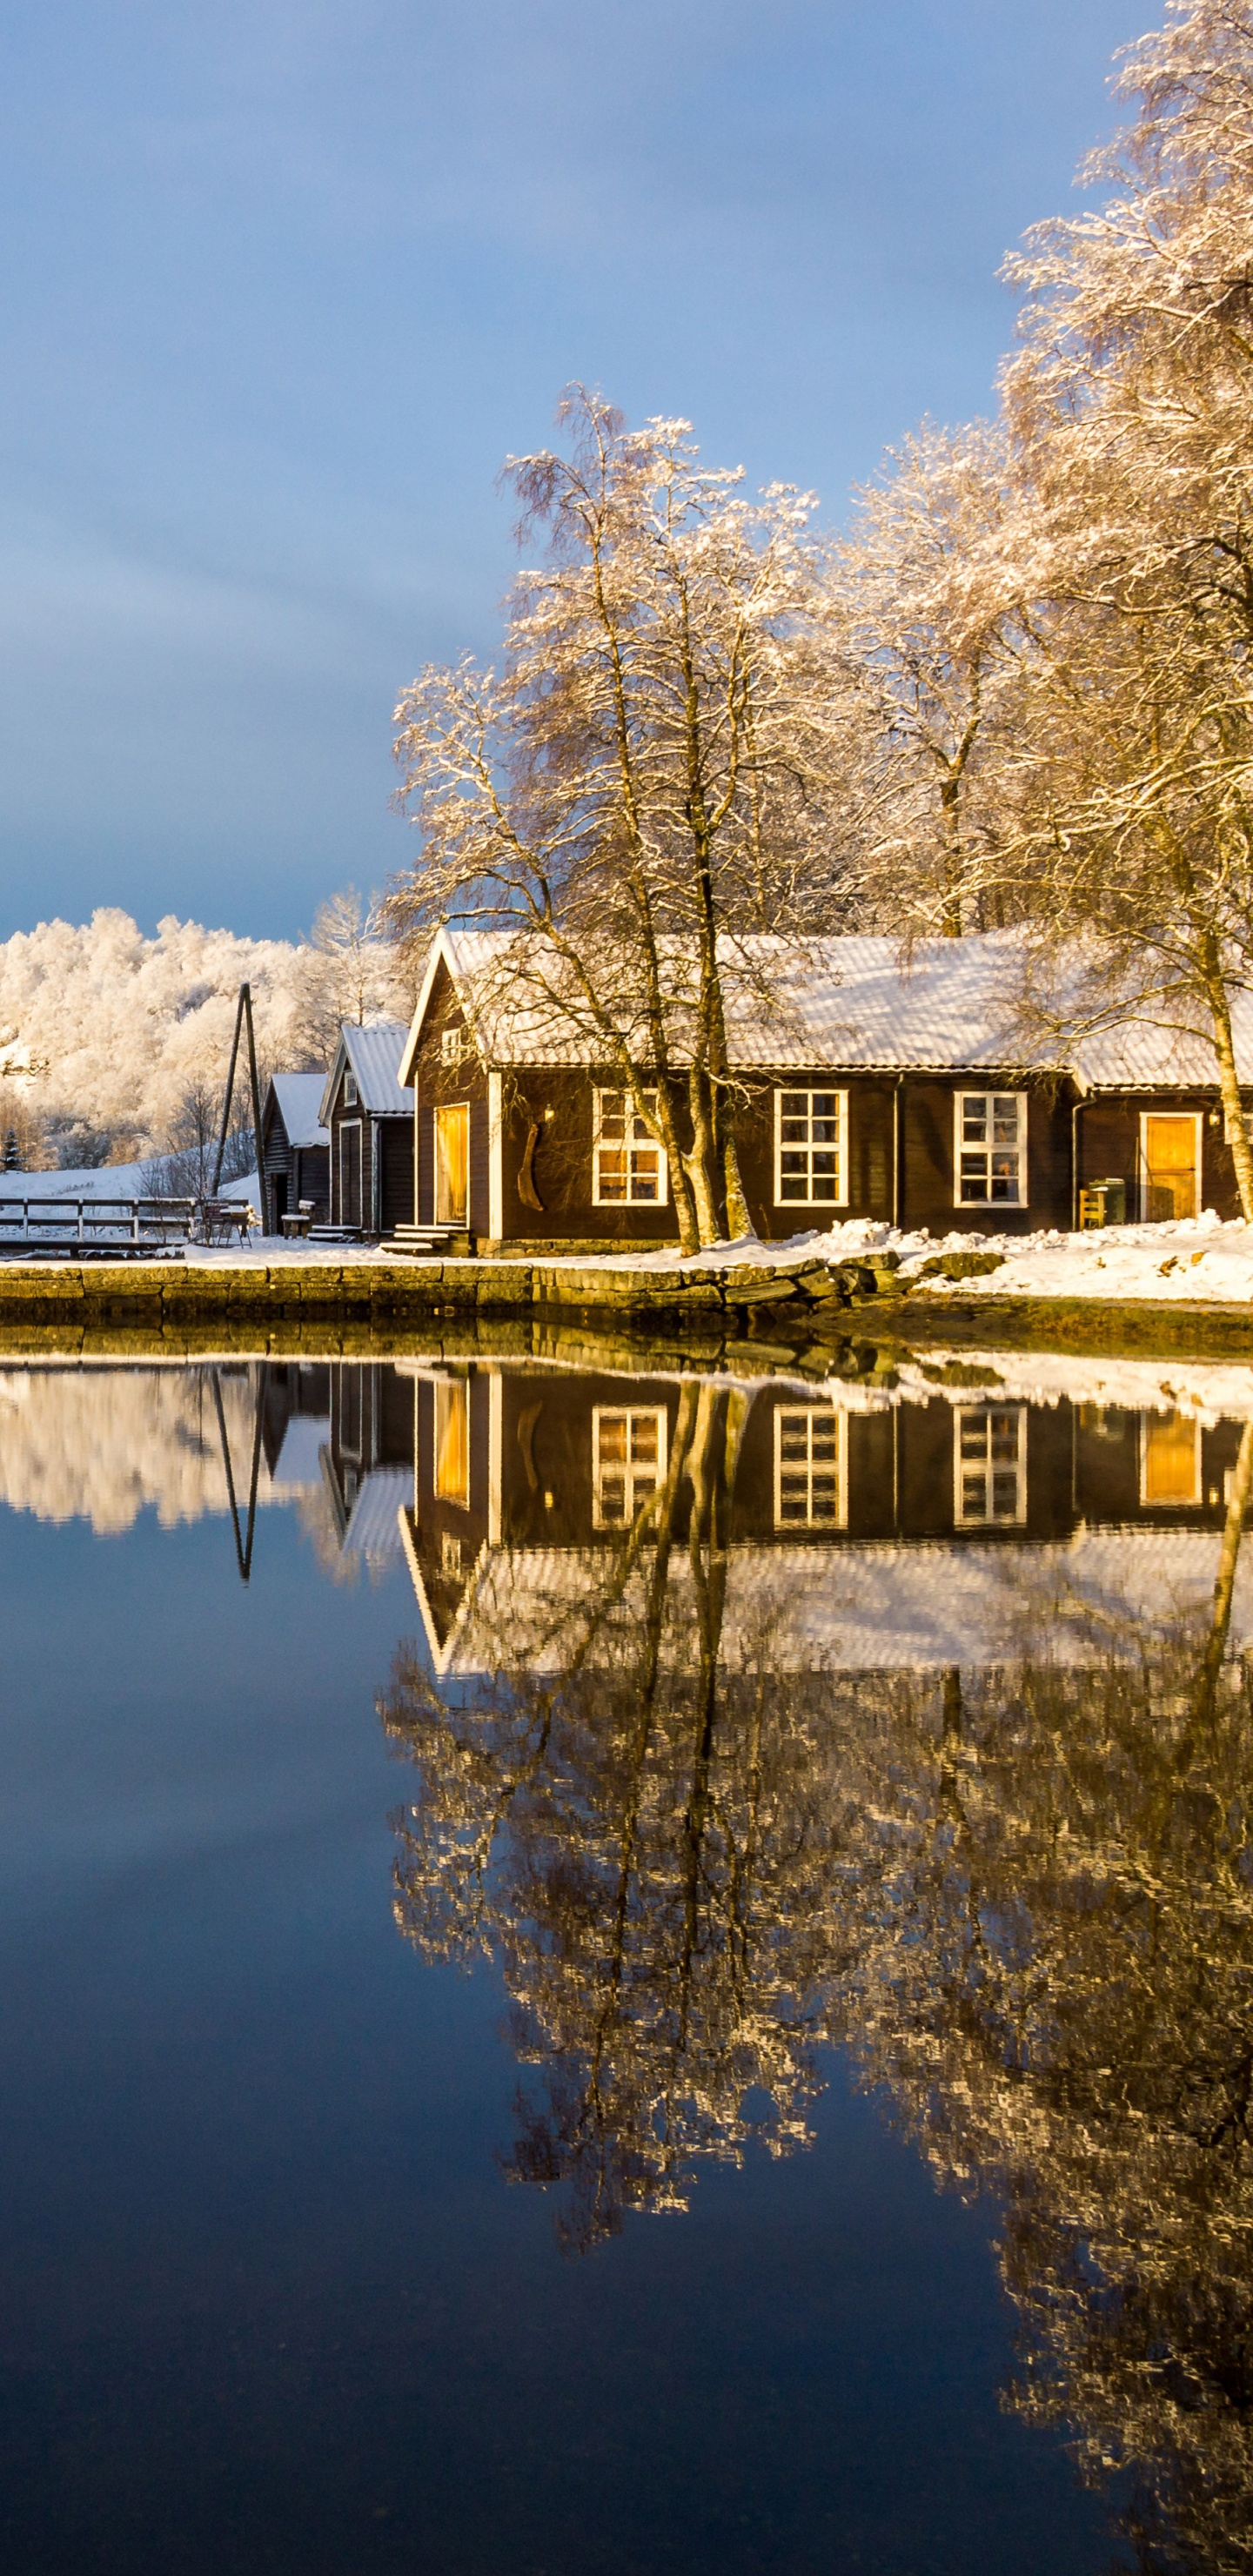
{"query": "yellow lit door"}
pixel 452 1165
pixel 1170 1168
pixel 452 1441
pixel 1170 1459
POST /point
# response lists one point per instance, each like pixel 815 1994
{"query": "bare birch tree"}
pixel 920 604
pixel 350 970
pixel 653 775
pixel 1130 407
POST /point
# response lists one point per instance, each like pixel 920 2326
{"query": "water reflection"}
pixel 748 1719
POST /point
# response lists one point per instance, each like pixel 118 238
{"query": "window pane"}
pixel 974 1121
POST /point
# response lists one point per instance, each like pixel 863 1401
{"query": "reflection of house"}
pixel 367 1461
pixel 295 1148
pixel 295 1419
pixel 919 1525
pixel 370 1120
pixel 872 1091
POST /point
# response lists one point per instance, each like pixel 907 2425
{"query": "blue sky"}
pixel 284 280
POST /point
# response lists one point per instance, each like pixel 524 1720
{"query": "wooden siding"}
pixel 927 1116
pixel 384 1197
pixel 1109 1146
pixel 395 1173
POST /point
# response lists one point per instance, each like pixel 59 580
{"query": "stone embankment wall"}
pixel 407 1291
pixel 361 1304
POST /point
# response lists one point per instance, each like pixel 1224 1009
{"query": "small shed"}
pixel 295 1148
pixel 370 1121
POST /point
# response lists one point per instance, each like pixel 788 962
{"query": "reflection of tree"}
pixel 1071 2017
pixel 638 1830
pixel 1023 1898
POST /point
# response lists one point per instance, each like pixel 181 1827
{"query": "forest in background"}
pixel 114 1047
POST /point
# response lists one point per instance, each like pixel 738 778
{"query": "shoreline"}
pixel 355 1309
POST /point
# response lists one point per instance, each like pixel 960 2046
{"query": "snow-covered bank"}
pixel 1194 1260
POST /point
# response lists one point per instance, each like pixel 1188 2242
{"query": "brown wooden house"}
pixel 295 1149
pixel 898 1092
pixel 369 1118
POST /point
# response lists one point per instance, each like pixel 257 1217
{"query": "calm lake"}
pixel 611 1973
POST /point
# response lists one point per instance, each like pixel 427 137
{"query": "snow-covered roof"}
pixel 299 1097
pixel 373 1055
pixel 372 1530
pixel 853 1608
pixel 836 1005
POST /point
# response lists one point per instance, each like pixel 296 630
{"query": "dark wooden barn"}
pixel 370 1122
pixel 295 1149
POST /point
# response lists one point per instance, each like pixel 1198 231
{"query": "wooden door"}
pixel 1170 1173
pixel 452 1165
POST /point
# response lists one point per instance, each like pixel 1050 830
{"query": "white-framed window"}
pixel 452 1045
pixel 991 1149
pixel 989 1465
pixel 350 1091
pixel 628 1165
pixel 810 1148
pixel 810 1467
pixel 629 1448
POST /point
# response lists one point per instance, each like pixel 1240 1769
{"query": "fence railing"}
pixel 56 1222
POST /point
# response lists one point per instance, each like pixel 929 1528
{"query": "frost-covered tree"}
pixel 107 1029
pixel 921 617
pixel 654 772
pixel 351 969
pixel 1131 410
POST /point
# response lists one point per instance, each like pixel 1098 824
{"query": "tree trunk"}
pixel 1234 1127
pixel 738 1219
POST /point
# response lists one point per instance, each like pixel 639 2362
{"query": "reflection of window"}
pixel 991 1149
pixel 452 1441
pixel 450 1552
pixel 810 1131
pixel 1170 1458
pixel 810 1480
pixel 628 1165
pixel 628 1461
pixel 990 1464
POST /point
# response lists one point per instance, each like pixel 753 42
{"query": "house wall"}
pixel 1109 1145
pixel 559 1104
pixel 395 1169
pixel 310 1178
pixel 339 1117
pixel 436 1084
pixel 275 1168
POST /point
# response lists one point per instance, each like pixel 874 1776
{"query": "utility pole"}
pixel 243 1020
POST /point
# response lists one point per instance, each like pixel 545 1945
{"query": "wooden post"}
pixel 230 1092
pixel 243 1018
pixel 246 998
